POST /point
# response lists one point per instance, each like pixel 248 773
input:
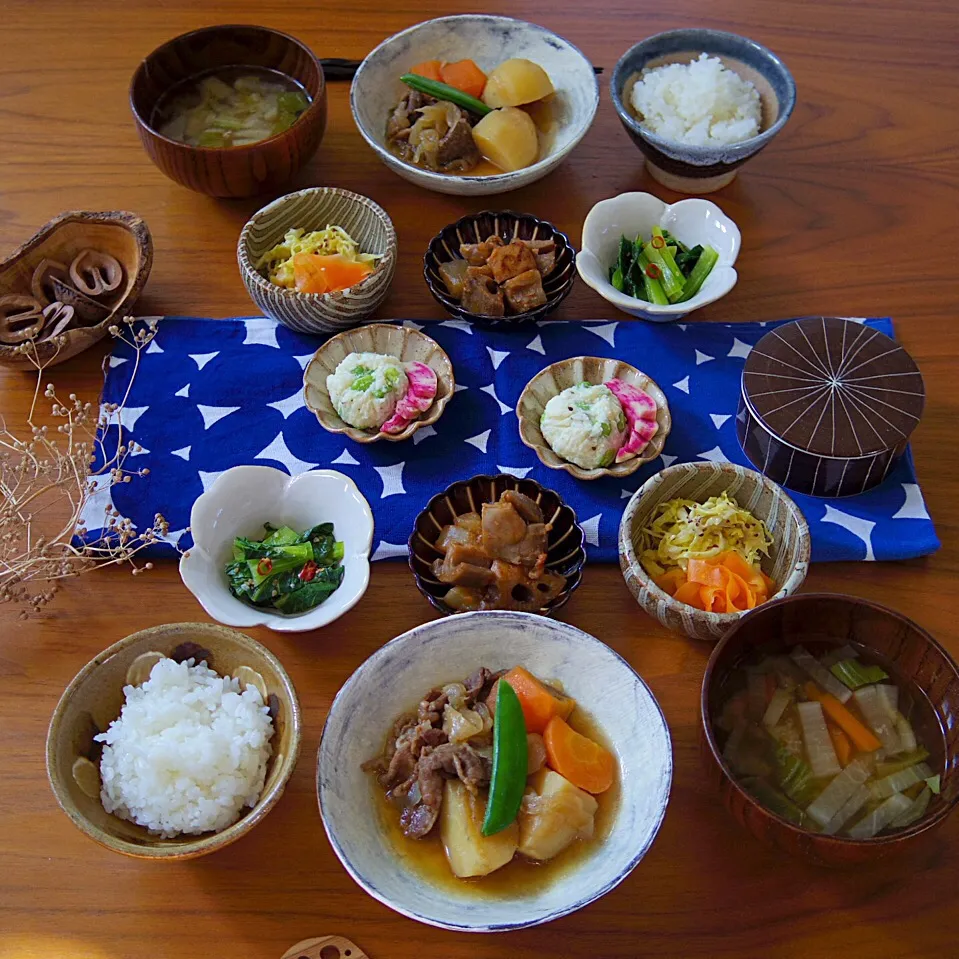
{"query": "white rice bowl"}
pixel 585 425
pixel 701 103
pixel 383 383
pixel 188 751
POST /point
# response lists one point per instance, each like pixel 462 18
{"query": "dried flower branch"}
pixel 49 480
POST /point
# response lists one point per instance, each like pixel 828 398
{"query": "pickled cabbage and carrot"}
pixel 829 741
pixel 708 555
pixel 322 261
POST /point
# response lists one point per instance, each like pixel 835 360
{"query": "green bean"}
pixel 442 91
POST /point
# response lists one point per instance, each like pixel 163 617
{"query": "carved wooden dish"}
pixel 122 236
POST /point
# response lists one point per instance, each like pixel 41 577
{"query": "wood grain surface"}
pixel 850 211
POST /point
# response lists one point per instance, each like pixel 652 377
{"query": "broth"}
pixel 427 859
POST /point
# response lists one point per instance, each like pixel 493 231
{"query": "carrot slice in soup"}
pixel 584 763
pixel 540 703
pixel 465 75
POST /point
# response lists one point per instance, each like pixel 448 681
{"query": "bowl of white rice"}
pixel 698 103
pixel 174 742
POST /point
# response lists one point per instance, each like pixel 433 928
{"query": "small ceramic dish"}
pixel 702 169
pixel 633 214
pixel 94 699
pixel 489 41
pixel 394 679
pixel 552 380
pixel 238 171
pixel 239 502
pixel 788 560
pixel 315 209
pixel 910 650
pixel 477 227
pixel 565 552
pixel 400 341
pixel 39 271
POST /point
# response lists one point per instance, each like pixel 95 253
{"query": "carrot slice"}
pixel 689 593
pixel 540 703
pixel 840 742
pixel 584 763
pixel 431 69
pixel 843 718
pixel 705 573
pixel 314 273
pixel 308 274
pixel 465 75
pixel 671 580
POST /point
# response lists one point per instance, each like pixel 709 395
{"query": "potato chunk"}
pixel 515 82
pixel 507 138
pixel 468 851
pixel 554 814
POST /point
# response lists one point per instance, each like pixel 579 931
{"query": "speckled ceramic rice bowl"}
pixel 394 678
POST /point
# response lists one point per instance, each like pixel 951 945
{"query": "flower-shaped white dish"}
pixel 239 502
pixel 690 221
pixel 489 41
pixel 394 679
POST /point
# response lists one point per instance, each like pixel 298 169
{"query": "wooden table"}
pixel 850 212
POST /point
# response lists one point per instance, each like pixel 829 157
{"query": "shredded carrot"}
pixel 465 75
pixel 431 69
pixel 840 742
pixel 540 703
pixel 584 763
pixel 861 737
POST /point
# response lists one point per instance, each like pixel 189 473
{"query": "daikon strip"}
pixel 897 782
pixel 837 655
pixel 777 706
pixel 819 674
pixel 873 823
pixel 819 748
pixel 828 803
pixel 872 704
pixel 849 809
pixel 918 809
pixel 907 736
pixel 891 696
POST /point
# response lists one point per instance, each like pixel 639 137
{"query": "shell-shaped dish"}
pixel 406 344
pixel 788 560
pixel 552 380
pixel 489 41
pixel 239 502
pixel 565 553
pixel 122 235
pixel 476 227
pixel 315 209
pixel 94 699
pixel 635 214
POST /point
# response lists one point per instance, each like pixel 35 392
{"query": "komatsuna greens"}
pixel 287 571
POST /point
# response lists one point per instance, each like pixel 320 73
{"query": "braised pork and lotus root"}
pixel 497 559
pixel 498 278
pixel 495 763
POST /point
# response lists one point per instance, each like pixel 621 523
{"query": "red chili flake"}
pixel 658 242
pixel 308 572
pixel 653 271
pixel 264 566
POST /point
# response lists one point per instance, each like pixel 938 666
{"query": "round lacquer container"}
pixel 827 405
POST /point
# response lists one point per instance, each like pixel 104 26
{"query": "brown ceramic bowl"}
pixel 230 171
pixel 840 619
pixel 565 554
pixel 93 700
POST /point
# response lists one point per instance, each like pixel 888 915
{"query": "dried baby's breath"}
pixel 49 475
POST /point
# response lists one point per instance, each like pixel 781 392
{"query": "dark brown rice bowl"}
pixel 565 553
pixel 476 227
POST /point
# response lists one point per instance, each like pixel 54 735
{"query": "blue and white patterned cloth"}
pixel 211 394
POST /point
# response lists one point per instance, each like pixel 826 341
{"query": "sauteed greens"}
pixel 287 571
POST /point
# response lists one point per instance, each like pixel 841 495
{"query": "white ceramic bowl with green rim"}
pixel 788 560
pixel 315 209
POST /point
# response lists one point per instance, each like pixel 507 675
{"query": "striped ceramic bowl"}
pixel 786 565
pixel 315 209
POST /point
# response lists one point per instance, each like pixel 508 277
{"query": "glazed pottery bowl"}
pixel 477 227
pixel 565 553
pixel 831 617
pixel 315 209
pixel 403 342
pixel 489 41
pixel 229 171
pixel 94 699
pixel 394 679
pixel 788 560
pixel 39 271
pixel 692 222
pixel 239 502
pixel 552 380
pixel 702 169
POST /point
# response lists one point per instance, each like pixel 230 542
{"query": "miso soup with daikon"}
pixel 830 739
pixel 232 107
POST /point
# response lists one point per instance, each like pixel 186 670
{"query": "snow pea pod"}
pixel 508 781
